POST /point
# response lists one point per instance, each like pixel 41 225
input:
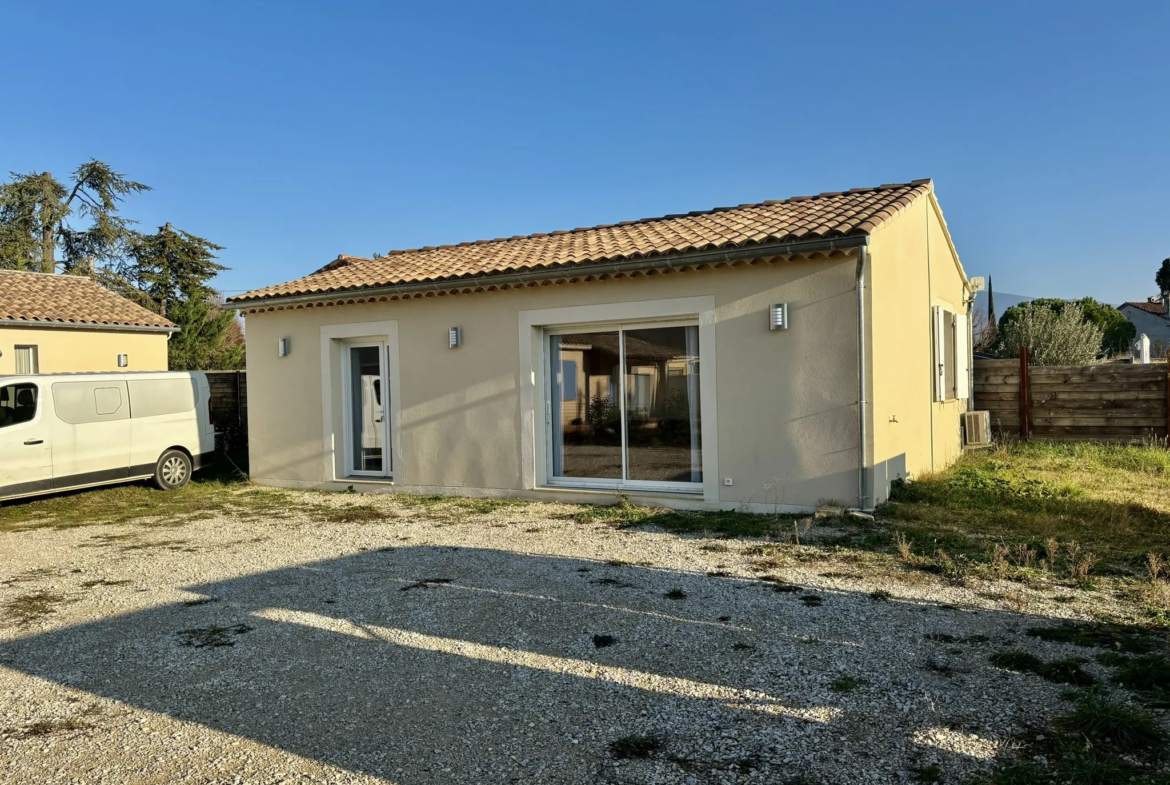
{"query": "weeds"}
pixel 634 747
pixel 1127 638
pixel 426 583
pixel 845 684
pixel 1059 671
pixel 730 523
pixel 28 608
pixel 1032 499
pixel 603 641
pixel 212 637
pixel 1112 726
pixel 675 594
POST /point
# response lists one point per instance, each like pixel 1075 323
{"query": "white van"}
pixel 75 430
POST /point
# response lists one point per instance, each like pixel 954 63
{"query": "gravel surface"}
pixel 435 645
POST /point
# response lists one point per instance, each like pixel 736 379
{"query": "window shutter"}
pixel 940 364
pixel 962 358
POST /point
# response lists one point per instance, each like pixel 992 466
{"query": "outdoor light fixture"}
pixel 123 360
pixel 778 317
pixel 282 348
pixel 454 337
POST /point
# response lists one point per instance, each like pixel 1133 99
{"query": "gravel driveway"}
pixel 433 646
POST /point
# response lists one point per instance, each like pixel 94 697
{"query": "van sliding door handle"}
pixel 31 442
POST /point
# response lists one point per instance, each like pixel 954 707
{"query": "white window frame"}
pixel 347 412
pixel 948 323
pixel 34 358
pixel 535 370
pixel 625 483
pixel 334 339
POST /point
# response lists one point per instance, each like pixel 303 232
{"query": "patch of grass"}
pixel 1067 671
pixel 729 523
pixel 634 747
pixel 207 495
pixel 349 513
pixel 603 641
pixel 675 594
pixel 43 728
pixel 613 582
pixel 212 637
pixel 931 773
pixel 845 684
pixel 1034 499
pixel 27 608
pixel 740 646
pixel 812 600
pixel 880 595
pixel 1110 725
pixel 1148 675
pixel 1129 638
pixel 103 582
pixel 783 587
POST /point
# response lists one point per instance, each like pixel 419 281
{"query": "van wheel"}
pixel 173 470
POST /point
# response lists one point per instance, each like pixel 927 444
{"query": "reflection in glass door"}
pixel 623 407
pixel 367 431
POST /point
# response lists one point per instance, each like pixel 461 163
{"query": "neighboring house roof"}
pixel 41 299
pixel 1157 309
pixel 853 213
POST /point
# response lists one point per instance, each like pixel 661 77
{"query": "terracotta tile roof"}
pixel 39 298
pixel 1155 308
pixel 828 215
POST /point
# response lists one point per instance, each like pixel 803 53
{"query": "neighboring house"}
pixel 64 323
pixel 636 358
pixel 1152 318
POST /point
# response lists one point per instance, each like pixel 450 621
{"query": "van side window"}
pixel 107 400
pixel 78 403
pixel 155 397
pixel 18 403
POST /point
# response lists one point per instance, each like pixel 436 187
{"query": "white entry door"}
pixel 367 406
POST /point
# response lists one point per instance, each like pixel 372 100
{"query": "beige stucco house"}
pixel 67 323
pixel 767 356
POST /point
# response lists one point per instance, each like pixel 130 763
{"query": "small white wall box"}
pixel 123 361
pixel 282 347
pixel 778 317
pixel 454 337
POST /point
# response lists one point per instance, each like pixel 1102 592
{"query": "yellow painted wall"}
pixel 913 268
pixel 66 350
pixel 787 418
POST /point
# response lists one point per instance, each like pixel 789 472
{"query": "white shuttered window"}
pixel 952 356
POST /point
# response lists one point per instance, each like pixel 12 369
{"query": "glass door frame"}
pixel 547 395
pixel 347 412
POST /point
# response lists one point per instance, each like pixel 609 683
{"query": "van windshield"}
pixel 18 403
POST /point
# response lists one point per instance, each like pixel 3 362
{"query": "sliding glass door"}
pixel 367 428
pixel 623 407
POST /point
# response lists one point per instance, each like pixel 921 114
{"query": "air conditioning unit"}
pixel 977 429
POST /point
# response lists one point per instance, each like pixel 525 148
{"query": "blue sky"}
pixel 292 132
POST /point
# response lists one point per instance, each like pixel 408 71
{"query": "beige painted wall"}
pixel 66 350
pixel 787 415
pixel 913 268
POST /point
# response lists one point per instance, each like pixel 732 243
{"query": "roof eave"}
pixel 43 324
pixel 688 259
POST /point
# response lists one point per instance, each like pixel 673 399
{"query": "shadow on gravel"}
pixel 438 664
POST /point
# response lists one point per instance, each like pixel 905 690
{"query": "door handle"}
pixel 31 442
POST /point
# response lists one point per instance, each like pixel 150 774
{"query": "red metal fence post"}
pixel 1025 396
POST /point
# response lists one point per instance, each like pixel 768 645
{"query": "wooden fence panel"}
pixel 229 407
pixel 1127 403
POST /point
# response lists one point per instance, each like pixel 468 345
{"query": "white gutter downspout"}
pixel 863 495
